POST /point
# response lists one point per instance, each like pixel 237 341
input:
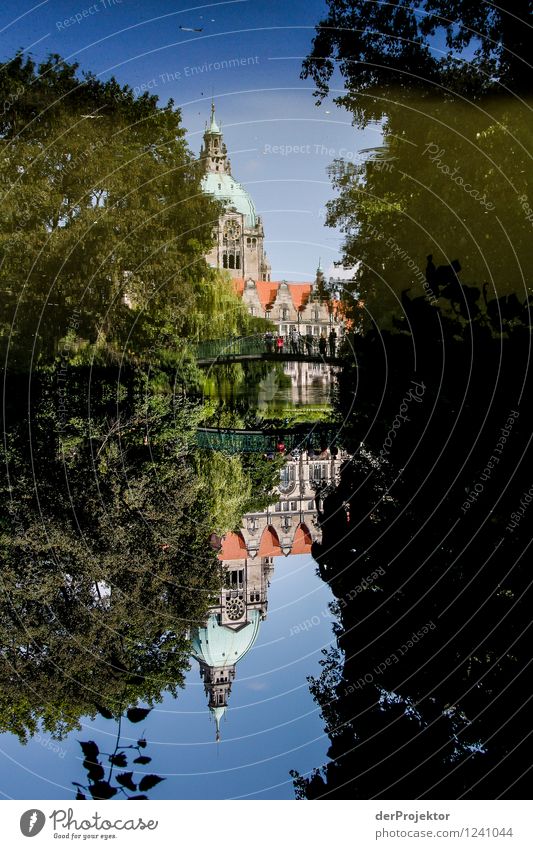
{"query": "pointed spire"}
pixel 213 128
pixel 218 713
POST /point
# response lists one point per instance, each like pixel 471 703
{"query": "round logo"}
pixel 32 822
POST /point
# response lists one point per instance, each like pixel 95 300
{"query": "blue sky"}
pixel 279 141
pixel 272 725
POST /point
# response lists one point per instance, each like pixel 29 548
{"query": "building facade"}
pixel 239 249
pixel 239 236
pixel 290 526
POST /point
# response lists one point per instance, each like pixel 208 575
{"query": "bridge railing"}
pixel 261 344
pixel 237 442
pixel 236 346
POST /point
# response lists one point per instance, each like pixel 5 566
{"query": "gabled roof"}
pixel 302 541
pixel 300 293
pixel 233 547
pixel 267 291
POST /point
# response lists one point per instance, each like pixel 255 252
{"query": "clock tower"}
pixel 239 234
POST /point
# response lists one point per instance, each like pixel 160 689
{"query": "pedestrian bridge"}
pixel 258 347
pixel 303 437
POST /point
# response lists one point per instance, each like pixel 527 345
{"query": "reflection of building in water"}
pixel 311 384
pixel 289 526
pixel 233 623
pixel 309 378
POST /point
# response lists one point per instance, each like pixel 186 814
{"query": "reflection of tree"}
pixel 447 182
pixel 105 558
pixel 101 787
pixel 428 549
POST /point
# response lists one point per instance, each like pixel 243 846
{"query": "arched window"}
pixel 238 261
pixel 231 261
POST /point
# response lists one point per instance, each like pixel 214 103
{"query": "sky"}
pixel 271 727
pixel 248 58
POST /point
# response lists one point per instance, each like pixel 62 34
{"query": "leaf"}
pixel 142 759
pixel 149 781
pixel 104 712
pixel 137 797
pixel 137 714
pixel 102 790
pixel 141 744
pixel 90 750
pixel 118 760
pixel 95 771
pixel 125 780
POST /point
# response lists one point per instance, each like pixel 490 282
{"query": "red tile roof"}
pixel 267 291
pixel 269 545
pixel 233 547
pixel 300 294
pixel 302 541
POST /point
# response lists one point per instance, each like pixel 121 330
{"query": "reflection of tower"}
pixel 290 526
pixel 233 623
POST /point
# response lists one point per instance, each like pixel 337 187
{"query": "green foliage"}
pixel 103 225
pixel 105 555
pixel 449 180
pixel 225 489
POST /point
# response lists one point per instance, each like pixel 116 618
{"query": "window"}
pixel 285 506
pixel 278 507
pixel 285 313
pixel 310 505
pixel 287 474
pixel 294 506
pixel 236 577
pixel 252 310
pixel 318 471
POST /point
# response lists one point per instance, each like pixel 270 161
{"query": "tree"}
pixel 383 44
pixel 106 561
pixel 429 567
pixel 103 224
pixel 449 180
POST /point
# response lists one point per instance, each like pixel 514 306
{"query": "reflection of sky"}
pixel 272 724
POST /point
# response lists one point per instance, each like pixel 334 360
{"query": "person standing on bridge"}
pixel 269 341
pixel 322 345
pixel 309 343
pixel 294 341
pixel 332 342
pixel 279 344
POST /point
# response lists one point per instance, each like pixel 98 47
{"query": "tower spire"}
pixel 218 713
pixel 213 126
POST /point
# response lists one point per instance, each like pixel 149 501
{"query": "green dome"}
pixel 232 194
pixel 217 645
